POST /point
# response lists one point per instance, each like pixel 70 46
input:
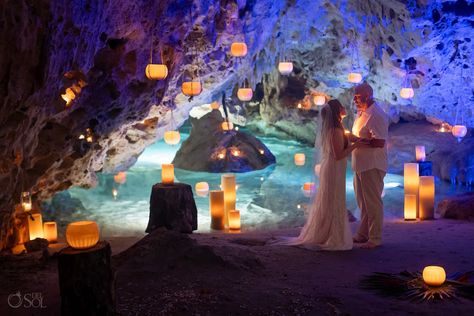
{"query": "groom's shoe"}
pixel 369 245
pixel 359 240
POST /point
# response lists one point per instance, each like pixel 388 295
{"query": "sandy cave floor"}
pixel 270 280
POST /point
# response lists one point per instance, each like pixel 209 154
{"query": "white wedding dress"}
pixel 327 226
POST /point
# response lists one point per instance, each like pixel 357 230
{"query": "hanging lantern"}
pixel 238 49
pixel 459 131
pixel 215 105
pixel 245 94
pixel 407 93
pixel 354 77
pixel 156 71
pixel 420 153
pixel 82 235
pixel 172 137
pixel 202 188
pixel 308 188
pixel 299 159
pixel 434 275
pixel 68 96
pixel 120 177
pixel 285 67
pixel 227 126
pixel 319 99
pixel 26 201
pixel 191 88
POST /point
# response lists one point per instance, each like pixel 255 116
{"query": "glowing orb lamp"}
pixel 202 188
pixel 285 68
pixel 172 137
pixel 82 235
pixel 156 71
pixel 191 88
pixel 434 275
pixel 407 93
pixel 245 94
pixel 238 49
pixel 354 77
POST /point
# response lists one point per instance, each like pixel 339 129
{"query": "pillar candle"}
pixel 427 195
pixel 420 153
pixel 234 219
pixel 35 226
pixel 167 173
pixel 411 180
pixel 50 231
pixel 229 188
pixel 216 204
pixel 410 207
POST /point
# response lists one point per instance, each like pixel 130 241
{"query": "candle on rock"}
pixel 229 188
pixel 35 226
pixel 50 231
pixel 410 207
pixel 234 220
pixel 216 205
pixel 420 153
pixel 167 173
pixel 427 197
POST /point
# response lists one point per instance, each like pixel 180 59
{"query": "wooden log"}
pixel 172 206
pixel 86 281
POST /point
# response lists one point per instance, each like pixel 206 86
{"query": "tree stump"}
pixel 172 206
pixel 86 281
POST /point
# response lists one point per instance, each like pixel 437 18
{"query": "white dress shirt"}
pixel 372 121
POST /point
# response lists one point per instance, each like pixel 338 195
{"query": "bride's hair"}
pixel 331 119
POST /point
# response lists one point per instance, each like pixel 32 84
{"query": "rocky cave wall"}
pixel 102 47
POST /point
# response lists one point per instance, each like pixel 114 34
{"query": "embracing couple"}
pixel 327 226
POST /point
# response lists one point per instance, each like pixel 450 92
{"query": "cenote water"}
pixel 268 199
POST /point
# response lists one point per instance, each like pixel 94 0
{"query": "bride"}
pixel 327 226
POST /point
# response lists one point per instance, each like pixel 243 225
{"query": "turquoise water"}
pixel 268 199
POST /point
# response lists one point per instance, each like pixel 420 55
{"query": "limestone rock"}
pixel 457 207
pixel 209 148
pixel 38 244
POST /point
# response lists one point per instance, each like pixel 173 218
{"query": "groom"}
pixel 369 166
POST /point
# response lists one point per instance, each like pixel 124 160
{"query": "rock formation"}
pixel 95 53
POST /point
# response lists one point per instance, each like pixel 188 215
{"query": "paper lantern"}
pixel 285 67
pixel 35 226
pixel 50 231
pixel 120 177
pixel 410 207
pixel 191 88
pixel 172 137
pixel 427 197
pixel 411 179
pixel 227 126
pixel 156 71
pixel 114 193
pixel 238 49
pixel 167 173
pixel 216 205
pixel 308 188
pixel 68 96
pixel 236 152
pixel 202 188
pixel 215 105
pixel 354 77
pixel 434 275
pixel 319 99
pixel 234 219
pixel 229 187
pixel 26 201
pixel 245 94
pixel 82 235
pixel 459 131
pixel 221 156
pixel 299 159
pixel 407 93
pixel 420 153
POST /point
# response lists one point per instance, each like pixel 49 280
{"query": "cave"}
pixel 174 157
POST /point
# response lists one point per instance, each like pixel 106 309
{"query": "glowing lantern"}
pixel 459 131
pixel 236 128
pixel 434 275
pixel 261 151
pixel 234 220
pixel 50 231
pixel 299 106
pixel 35 226
pixel 221 156
pixel 299 159
pixel 427 197
pixel 229 188
pixel 410 207
pixel 420 153
pixel 156 71
pixel 245 94
pixel 285 68
pixel 236 152
pixel 215 105
pixel 26 201
pixel 167 173
pixel 319 99
pixel 202 188
pixel 172 137
pixel 68 96
pixel 238 49
pixel 411 181
pixel 308 188
pixel 407 93
pixel 114 193
pixel 354 77
pixel 191 88
pixel 82 235
pixel 120 177
pixel 227 126
pixel 216 205
pixel 444 128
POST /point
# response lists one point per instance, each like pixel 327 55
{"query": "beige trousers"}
pixel 368 187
